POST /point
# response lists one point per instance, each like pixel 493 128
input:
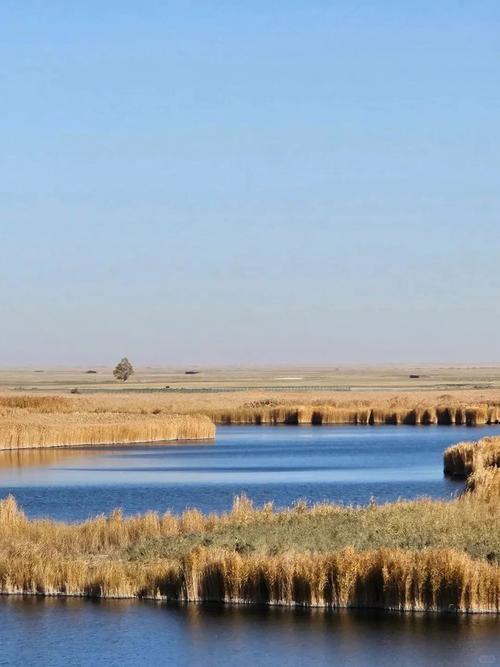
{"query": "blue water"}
pixel 70 633
pixel 348 464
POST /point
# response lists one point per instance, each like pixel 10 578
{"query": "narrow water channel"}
pixel 347 464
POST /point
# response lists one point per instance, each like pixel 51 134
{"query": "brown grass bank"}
pixel 479 463
pixel 400 410
pixel 471 407
pixel 397 580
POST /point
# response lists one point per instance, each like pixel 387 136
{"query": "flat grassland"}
pixel 358 378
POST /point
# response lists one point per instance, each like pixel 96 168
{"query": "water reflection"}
pixel 23 458
pixel 129 633
pixel 49 456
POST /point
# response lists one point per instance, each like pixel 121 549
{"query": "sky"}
pixel 258 183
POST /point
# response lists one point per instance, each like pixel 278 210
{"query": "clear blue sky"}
pixel 249 182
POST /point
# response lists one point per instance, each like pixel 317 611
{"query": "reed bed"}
pixel 413 415
pixel 388 579
pixel 399 580
pixel 414 408
pixel 65 429
pixel 485 484
pixel 459 460
pixel 468 524
pixel 466 458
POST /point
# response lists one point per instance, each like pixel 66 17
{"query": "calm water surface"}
pixel 348 464
pixel 64 633
pixel 282 464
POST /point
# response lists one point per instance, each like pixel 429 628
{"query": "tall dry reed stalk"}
pixel 465 458
pixel 66 429
pixel 456 407
pixel 438 580
pixel 428 580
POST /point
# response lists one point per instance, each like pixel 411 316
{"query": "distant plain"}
pixel 355 378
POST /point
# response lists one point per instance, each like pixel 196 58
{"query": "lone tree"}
pixel 123 370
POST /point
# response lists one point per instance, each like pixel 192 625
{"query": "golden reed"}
pixel 91 559
pixel 55 421
pixel 254 407
pixel 427 580
pixel 466 458
pixel 479 463
pixel 355 414
pixel 84 429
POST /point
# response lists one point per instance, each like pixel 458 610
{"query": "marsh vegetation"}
pixel 28 421
pixel 39 420
pixel 424 554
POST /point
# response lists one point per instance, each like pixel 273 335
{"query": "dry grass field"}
pixel 357 378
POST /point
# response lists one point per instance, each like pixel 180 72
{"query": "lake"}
pixel 62 633
pixel 349 464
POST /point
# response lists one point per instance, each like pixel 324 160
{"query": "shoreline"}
pixel 171 602
pixel 87 445
pixel 205 577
